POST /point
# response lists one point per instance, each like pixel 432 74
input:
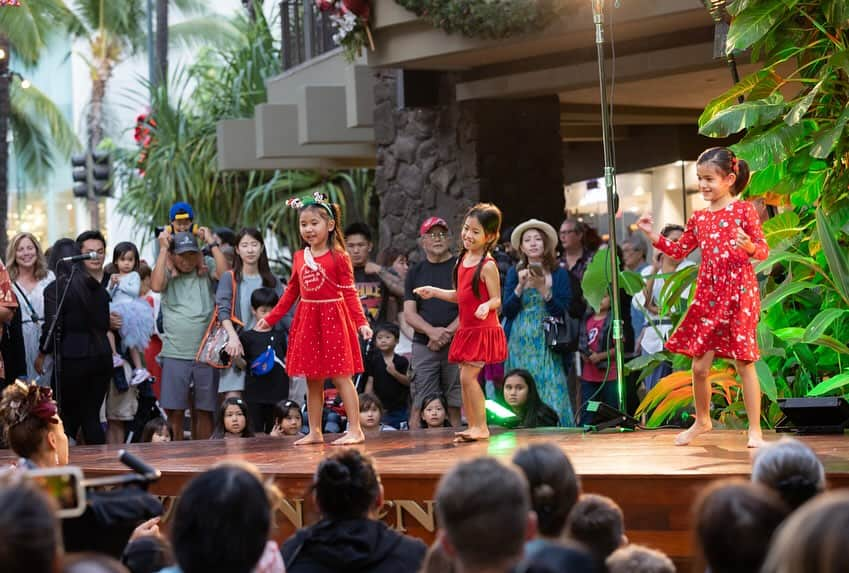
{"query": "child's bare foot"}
pixel 689 434
pixel 349 438
pixel 472 434
pixel 311 438
pixel 756 439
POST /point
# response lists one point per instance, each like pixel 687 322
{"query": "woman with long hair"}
pixel 28 271
pixel 520 395
pixel 250 272
pixel 537 289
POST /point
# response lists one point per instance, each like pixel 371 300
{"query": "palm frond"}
pixel 29 26
pixel 204 30
pixel 33 103
pixel 31 145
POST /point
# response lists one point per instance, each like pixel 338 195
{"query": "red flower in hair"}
pixel 359 8
pixel 44 407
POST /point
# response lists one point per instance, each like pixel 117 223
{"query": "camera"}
pixel 65 485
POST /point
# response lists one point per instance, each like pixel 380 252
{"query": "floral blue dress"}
pixel 526 349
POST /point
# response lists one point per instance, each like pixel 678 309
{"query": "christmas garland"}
pixel 487 19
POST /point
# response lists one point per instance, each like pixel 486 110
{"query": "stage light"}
pixel 498 415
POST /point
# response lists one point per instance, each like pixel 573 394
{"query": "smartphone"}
pixel 535 269
pixel 65 485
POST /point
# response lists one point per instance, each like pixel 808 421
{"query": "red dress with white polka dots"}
pixel 323 339
pixel 726 306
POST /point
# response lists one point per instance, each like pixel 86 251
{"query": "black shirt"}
pixel 272 387
pixel 372 293
pixel 393 395
pixel 434 311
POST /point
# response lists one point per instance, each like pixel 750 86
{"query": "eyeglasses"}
pixel 437 235
pixel 567 231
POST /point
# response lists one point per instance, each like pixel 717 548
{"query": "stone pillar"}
pixel 441 160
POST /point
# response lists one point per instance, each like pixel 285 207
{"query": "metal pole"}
pixel 612 201
pixel 151 62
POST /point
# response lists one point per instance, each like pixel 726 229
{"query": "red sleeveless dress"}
pixel 323 339
pixel 476 340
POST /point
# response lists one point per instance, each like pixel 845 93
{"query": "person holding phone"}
pixel 537 287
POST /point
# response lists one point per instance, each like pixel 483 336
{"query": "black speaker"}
pixel 417 88
pixel 606 416
pixel 827 415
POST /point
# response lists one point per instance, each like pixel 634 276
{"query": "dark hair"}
pixel 535 412
pixel 219 431
pixel 119 251
pixel 155 426
pixel 147 554
pixel 553 485
pixel 427 400
pixel 597 522
pixel 389 327
pixel 590 239
pixel 368 399
pixel 90 562
pixel 483 505
pixel 489 217
pixel 283 407
pixel 346 485
pixel 30 535
pixel 335 239
pixel 388 256
pixel 22 430
pixel 734 522
pixel 264 296
pixel 144 270
pixel 268 278
pixel 359 228
pixel 671 228
pixel 790 468
pixel 727 162
pixel 61 249
pixel 222 521
pixel 227 236
pixel 91 235
pixel 549 251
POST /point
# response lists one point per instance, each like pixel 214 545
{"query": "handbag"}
pixel 215 339
pixel 561 335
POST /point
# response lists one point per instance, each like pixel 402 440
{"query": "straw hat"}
pixel 541 226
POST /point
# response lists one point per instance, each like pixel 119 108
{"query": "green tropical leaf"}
pixel 765 180
pixel 766 379
pixel 821 322
pixel 762 80
pixel 784 290
pixel 838 263
pixel 800 108
pixel 782 256
pixel 774 145
pixel 674 287
pixel 836 13
pixel 630 281
pixel 200 31
pixel 596 281
pixel 830 385
pixel 840 60
pixel 796 335
pixel 825 141
pixel 780 227
pixel 744 115
pixel 751 24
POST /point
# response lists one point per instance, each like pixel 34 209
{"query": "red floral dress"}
pixel 476 340
pixel 726 307
pixel 323 339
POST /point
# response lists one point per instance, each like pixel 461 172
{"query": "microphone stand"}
pixel 612 202
pixel 55 333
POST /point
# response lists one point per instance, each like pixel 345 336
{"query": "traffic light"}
pixel 101 174
pixel 79 171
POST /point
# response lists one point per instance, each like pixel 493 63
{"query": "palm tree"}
pixel 32 117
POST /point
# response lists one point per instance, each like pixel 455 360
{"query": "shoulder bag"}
pixel 212 345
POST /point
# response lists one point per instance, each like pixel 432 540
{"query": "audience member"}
pixel 32 427
pixel 813 539
pixel 435 322
pixel 92 563
pixel 484 515
pixel 521 397
pixel 635 558
pixel 598 372
pixel 597 523
pixel 371 414
pixel 579 242
pixel 232 420
pixel 288 420
pixel 734 524
pixel 537 289
pixel 374 283
pixel 13 360
pixel 157 430
pixel 30 536
pixel 387 376
pixel 434 412
pixel 437 561
pixel 348 538
pixel 790 468
pixel 29 274
pixel 222 521
pixel 148 554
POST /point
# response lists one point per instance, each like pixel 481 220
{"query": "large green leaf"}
pixel 796 335
pixel 765 180
pixel 830 385
pixel 630 281
pixel 744 115
pixel 825 141
pixel 781 256
pixel 800 108
pixel 835 254
pixel 836 13
pixel 821 322
pixel 675 286
pixel 780 227
pixel 766 380
pixel 596 281
pixel 762 80
pixel 784 290
pixel 753 23
pixel 774 145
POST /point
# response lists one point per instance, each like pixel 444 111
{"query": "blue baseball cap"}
pixel 181 210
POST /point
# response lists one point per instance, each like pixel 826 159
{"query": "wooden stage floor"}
pixel 654 481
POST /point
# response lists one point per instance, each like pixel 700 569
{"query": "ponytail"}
pixel 727 162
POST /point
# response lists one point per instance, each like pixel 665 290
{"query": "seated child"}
pixel 434 412
pixel 232 420
pixel 266 382
pixel 288 420
pixel 597 523
pixel 157 430
pixel 371 412
pixel 387 378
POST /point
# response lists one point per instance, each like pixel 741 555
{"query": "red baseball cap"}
pixel 430 223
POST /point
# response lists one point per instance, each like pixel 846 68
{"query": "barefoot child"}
pixel 480 339
pixel 723 319
pixel 323 337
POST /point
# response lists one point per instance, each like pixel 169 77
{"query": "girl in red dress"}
pixel 323 339
pixel 480 339
pixel 723 318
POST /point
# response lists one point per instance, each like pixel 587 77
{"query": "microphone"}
pixel 76 258
pixel 137 465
